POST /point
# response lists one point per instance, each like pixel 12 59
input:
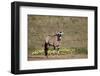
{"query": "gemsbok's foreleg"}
pixel 58 50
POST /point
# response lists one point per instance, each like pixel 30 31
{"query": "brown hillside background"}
pixel 74 28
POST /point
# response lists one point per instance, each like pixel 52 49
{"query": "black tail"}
pixel 46 49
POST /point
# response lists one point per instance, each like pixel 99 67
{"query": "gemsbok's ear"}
pixel 62 33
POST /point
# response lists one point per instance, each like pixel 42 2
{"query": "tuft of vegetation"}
pixel 62 51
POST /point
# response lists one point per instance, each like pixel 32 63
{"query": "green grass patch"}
pixel 62 51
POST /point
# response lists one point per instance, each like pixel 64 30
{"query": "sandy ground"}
pixel 41 57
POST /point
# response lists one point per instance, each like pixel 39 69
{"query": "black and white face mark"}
pixel 59 35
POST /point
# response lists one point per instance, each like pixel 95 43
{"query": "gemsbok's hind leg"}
pixel 46 50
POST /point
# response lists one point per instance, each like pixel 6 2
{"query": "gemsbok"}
pixel 54 40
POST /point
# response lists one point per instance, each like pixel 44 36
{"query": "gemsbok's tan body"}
pixel 54 40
